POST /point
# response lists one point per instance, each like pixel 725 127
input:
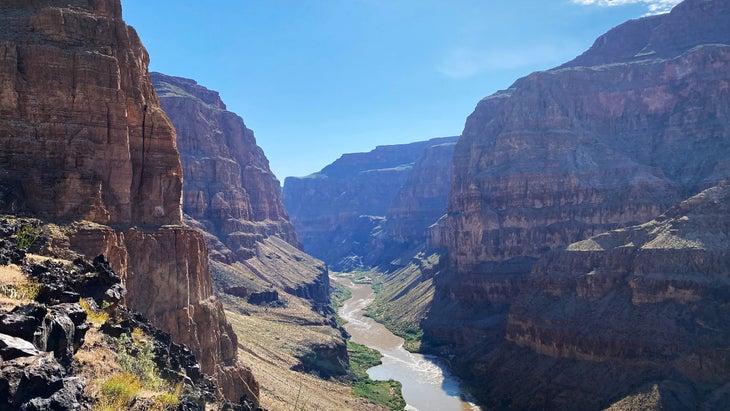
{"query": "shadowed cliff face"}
pixel 624 313
pixel 367 208
pixel 614 138
pixel 84 138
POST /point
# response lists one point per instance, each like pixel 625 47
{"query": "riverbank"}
pixel 427 385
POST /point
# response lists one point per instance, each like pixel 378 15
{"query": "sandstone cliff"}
pixel 366 208
pixel 624 313
pixel 232 197
pixel 84 138
pixel 613 138
pixel 228 186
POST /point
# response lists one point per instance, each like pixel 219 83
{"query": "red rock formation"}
pixel 340 209
pixel 652 302
pixel 229 188
pixel 88 139
pixel 84 138
pixel 613 138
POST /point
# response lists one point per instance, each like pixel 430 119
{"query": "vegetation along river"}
pixel 427 385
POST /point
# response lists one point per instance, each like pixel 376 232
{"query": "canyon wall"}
pixel 360 211
pixel 234 200
pixel 623 314
pixel 232 196
pixel 613 138
pixel 84 138
pixel 228 186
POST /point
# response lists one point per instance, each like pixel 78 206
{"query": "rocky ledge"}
pixel 61 318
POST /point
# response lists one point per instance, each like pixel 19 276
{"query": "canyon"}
pixel 371 209
pixel 265 281
pixel 616 139
pixel 568 251
pixel 612 139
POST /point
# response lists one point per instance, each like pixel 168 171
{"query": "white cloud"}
pixel 654 6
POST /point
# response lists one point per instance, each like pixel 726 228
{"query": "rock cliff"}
pixel 232 197
pixel 614 138
pixel 624 313
pixel 364 209
pixel 228 186
pixel 59 348
pixel 84 138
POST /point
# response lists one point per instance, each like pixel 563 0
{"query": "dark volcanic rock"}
pixel 40 383
pixel 339 212
pixel 14 347
pixel 614 138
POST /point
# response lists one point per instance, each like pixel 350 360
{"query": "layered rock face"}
pixel 615 137
pixel 340 212
pixel 232 195
pixel 234 200
pixel 229 188
pixel 419 203
pixel 88 138
pixel 84 138
pixel 624 313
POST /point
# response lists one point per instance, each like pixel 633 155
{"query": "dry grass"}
pixel 269 340
pixel 15 287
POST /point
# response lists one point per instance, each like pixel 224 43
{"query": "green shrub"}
pixel 26 236
pixel 136 355
pixel 118 392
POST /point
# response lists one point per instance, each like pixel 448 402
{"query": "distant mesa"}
pixel 369 209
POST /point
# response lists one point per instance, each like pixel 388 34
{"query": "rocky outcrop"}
pixel 40 339
pixel 83 135
pixel 228 186
pixel 84 138
pixel 647 302
pixel 340 212
pixel 614 138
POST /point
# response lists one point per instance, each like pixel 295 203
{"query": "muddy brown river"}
pixel 427 385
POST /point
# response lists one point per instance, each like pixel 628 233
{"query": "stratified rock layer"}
pixel 83 134
pixel 229 188
pixel 615 137
pixel 83 137
pixel 340 212
pixel 614 315
pixel 232 197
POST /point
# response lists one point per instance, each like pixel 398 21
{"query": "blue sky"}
pixel 318 78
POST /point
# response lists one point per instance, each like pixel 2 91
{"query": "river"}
pixel 427 385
